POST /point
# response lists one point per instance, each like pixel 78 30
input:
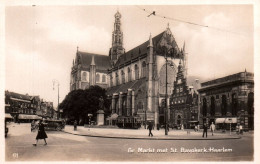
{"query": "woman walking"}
pixel 41 134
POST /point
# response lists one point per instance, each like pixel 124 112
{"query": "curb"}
pixel 152 138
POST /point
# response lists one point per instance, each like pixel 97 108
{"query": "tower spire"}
pixel 150 41
pixel 117 40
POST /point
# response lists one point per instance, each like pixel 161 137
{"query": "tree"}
pixel 79 103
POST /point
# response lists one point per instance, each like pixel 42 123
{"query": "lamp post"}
pixel 245 100
pixel 166 92
pixel 58 84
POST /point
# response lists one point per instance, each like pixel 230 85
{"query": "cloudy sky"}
pixel 41 41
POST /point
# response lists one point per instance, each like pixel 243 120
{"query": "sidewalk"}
pixel 143 134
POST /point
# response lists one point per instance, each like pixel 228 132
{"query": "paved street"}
pixel 67 147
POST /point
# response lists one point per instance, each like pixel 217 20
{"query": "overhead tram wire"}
pixel 153 13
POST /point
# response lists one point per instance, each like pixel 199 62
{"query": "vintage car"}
pixel 54 125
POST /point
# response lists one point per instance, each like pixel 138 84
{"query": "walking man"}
pixel 205 130
pixel 75 125
pixel 150 127
pixel 212 127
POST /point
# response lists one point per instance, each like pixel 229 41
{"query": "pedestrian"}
pixel 41 134
pixel 240 129
pixel 75 125
pixel 237 128
pixel 198 127
pixel 205 130
pixel 212 127
pixel 150 127
pixel 182 127
pixel 195 128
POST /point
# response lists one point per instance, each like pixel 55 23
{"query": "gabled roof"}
pixel 102 62
pixel 19 96
pixel 142 48
pixel 137 51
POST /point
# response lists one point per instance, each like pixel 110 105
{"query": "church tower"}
pixel 117 41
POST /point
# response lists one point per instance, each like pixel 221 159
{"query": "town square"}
pixel 132 83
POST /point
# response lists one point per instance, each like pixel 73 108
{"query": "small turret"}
pixel 93 61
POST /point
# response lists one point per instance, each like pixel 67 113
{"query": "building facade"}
pixel 24 107
pixel 135 80
pixel 183 102
pixel 228 98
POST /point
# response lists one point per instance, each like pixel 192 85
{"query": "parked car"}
pixel 54 125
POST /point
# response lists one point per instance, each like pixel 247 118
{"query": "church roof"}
pixel 138 51
pixel 134 85
pixel 102 62
pixel 142 49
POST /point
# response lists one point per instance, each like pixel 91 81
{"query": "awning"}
pixel 114 116
pixel 30 117
pixel 7 115
pixel 193 121
pixel 226 120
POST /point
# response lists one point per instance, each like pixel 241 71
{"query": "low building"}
pixel 19 107
pixel 229 99
pixel 24 108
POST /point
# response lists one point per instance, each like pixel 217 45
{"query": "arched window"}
pixel 117 79
pixel 129 74
pixel 204 107
pixel 234 104
pixel 123 76
pixel 143 73
pixel 103 78
pixel 136 72
pixel 84 76
pixel 224 105
pixel 212 106
pixel 171 76
pixel 140 106
pixel 97 78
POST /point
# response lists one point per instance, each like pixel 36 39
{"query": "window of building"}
pixel 97 77
pixel 111 80
pixel 217 96
pixel 181 89
pixel 129 74
pixel 117 79
pixel 143 72
pixel 123 76
pixel 84 76
pixel 177 90
pixel 103 78
pixel 136 72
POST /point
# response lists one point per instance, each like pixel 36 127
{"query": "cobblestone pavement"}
pixel 67 147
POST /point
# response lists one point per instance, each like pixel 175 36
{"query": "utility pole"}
pixel 58 84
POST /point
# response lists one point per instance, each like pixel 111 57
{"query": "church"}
pixel 135 80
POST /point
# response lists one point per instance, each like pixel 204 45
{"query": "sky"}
pixel 41 41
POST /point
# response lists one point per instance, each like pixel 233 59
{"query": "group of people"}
pixel 205 129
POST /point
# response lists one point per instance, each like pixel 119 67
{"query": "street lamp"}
pixel 58 84
pixel 166 92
